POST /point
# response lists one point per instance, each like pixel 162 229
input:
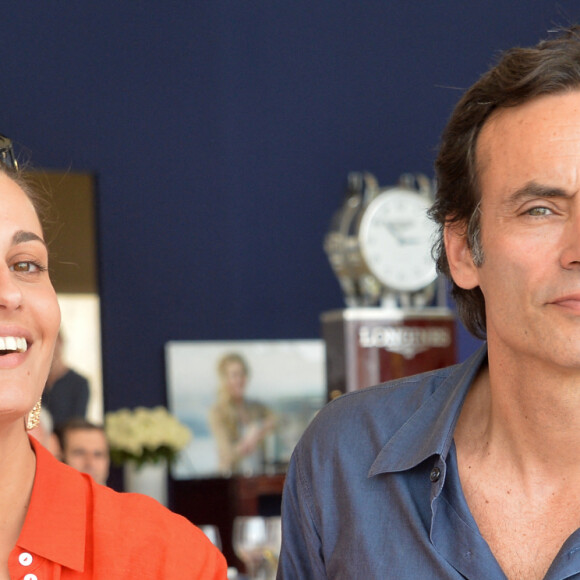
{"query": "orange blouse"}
pixel 75 528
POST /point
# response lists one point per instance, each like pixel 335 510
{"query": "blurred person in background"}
pixel 239 425
pixel 66 393
pixel 84 446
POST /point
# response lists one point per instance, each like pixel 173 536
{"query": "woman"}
pixel 57 522
pixel 239 425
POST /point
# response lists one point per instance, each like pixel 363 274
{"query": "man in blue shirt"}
pixel 471 471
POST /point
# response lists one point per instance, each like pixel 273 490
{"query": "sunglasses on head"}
pixel 7 156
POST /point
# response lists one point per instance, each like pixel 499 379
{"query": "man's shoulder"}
pixel 363 421
pixel 71 380
pixel 397 397
pixel 76 377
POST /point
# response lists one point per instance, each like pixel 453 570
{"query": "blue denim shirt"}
pixel 373 490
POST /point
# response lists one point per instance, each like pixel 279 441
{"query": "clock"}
pixel 359 287
pixel 395 238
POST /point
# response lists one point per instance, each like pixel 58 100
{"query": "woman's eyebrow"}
pixel 22 236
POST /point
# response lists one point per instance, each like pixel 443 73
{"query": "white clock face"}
pixel 396 237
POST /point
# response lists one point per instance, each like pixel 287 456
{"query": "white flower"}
pixel 145 434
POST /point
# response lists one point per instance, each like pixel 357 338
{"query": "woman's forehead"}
pixel 16 206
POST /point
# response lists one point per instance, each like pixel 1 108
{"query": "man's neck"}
pixel 527 416
pixel 517 452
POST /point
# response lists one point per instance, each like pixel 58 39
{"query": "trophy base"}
pixel 368 346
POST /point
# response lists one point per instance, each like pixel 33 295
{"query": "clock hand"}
pixel 397 231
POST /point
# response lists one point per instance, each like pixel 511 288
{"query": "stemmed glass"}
pixel 213 534
pixel 256 541
pixel 273 544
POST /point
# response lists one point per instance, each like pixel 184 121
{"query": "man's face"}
pixel 87 450
pixel 529 165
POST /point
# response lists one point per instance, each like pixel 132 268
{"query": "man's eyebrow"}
pixel 534 189
pixel 22 236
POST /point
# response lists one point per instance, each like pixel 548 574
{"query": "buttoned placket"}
pixel 437 478
pixel 454 533
pixel 27 561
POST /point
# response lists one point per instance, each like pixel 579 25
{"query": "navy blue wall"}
pixel 222 134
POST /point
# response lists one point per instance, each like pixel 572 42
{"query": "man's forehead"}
pixel 77 435
pixel 535 134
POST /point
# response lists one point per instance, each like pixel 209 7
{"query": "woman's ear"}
pixel 463 271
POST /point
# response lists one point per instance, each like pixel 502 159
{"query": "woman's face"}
pixel 235 376
pixel 29 311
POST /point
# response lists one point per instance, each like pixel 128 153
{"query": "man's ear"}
pixel 463 271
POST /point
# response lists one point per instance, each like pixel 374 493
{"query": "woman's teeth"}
pixel 13 344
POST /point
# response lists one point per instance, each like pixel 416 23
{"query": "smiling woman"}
pixel 37 492
pixel 28 303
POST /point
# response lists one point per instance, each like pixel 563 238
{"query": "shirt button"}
pixel 31 577
pixel 435 474
pixel 25 559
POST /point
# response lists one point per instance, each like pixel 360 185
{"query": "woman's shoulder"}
pixel 150 533
pixel 137 510
pixel 255 406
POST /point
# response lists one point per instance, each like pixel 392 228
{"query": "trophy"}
pixel 396 322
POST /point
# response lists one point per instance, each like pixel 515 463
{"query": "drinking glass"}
pixel 273 544
pixel 249 539
pixel 213 534
pixel 256 541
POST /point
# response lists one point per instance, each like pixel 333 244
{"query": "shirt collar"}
pixel 56 521
pixel 429 430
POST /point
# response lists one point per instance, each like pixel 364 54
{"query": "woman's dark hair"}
pixel 521 74
pixel 39 198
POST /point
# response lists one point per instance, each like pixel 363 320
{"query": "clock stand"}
pixel 396 322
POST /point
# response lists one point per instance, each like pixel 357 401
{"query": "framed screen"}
pixel 286 376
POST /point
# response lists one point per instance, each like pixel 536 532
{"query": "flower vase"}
pixel 149 479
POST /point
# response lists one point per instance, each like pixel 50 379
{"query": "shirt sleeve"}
pixel 301 554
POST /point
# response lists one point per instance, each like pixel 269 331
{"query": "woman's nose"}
pixel 10 291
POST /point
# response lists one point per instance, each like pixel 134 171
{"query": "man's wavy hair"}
pixel 521 74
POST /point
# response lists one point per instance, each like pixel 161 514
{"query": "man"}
pixel 471 471
pixel 66 394
pixel 85 447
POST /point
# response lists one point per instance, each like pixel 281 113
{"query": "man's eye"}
pixel 539 211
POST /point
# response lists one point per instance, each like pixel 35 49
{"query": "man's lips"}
pixel 571 301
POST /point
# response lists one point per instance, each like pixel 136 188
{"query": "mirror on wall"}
pixel 72 237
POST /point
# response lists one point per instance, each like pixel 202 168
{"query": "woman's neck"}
pixel 17 470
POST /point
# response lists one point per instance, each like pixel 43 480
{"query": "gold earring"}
pixel 33 418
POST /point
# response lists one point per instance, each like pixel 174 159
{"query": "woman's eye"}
pixel 27 267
